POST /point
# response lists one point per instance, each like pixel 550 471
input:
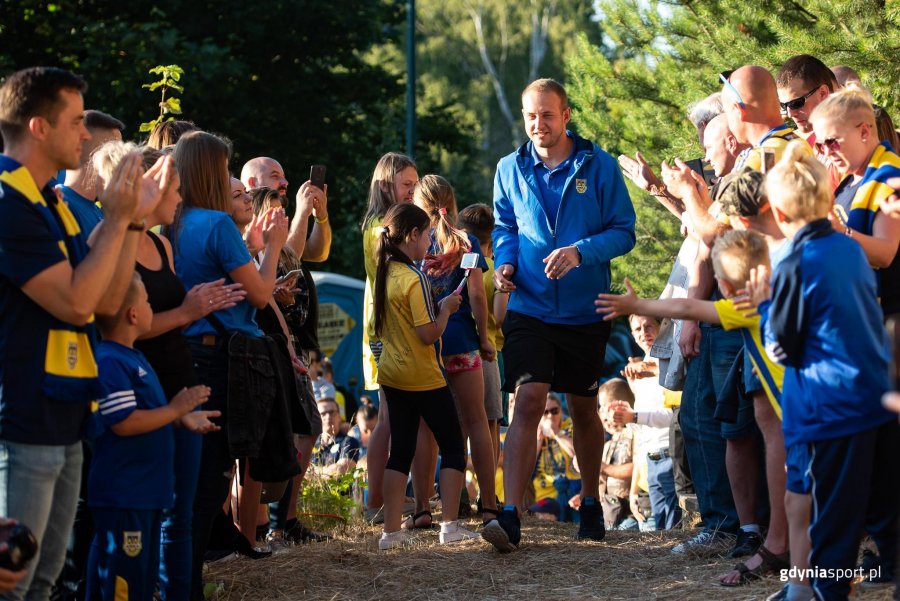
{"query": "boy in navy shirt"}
pixel 823 322
pixel 131 479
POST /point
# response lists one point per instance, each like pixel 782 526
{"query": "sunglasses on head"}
pixel 551 411
pixel 797 103
pixel 725 77
pixel 832 144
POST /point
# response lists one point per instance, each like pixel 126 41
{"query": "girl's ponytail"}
pixel 435 194
pixel 399 221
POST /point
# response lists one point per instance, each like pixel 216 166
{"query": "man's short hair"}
pixel 808 69
pixel 743 193
pixel 617 389
pixel 735 253
pixel 544 85
pixel 100 120
pixel 701 112
pixel 478 220
pixel 33 92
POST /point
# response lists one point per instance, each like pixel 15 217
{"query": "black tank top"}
pixel 167 353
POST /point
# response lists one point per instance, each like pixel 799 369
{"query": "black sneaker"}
pixel 747 544
pixel 591 525
pixel 300 534
pixel 870 569
pixel 504 531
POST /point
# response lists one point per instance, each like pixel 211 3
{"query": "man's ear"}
pixel 39 127
pixel 567 114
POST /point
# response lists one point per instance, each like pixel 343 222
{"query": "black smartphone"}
pixel 21 546
pixel 893 328
pixel 704 169
pixel 317 176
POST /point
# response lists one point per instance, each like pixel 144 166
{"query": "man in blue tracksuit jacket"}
pixel 562 213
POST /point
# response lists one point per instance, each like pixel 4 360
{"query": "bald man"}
pixel 845 75
pixel 721 146
pixel 750 100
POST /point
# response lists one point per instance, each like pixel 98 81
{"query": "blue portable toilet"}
pixel 341 326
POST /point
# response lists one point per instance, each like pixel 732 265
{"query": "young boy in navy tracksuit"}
pixel 131 479
pixel 823 322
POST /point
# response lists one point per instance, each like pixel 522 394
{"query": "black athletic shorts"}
pixel 568 357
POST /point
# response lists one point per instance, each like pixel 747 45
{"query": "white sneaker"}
pixel 705 542
pixel 391 540
pixel 452 532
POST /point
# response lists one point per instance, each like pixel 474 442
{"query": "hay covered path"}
pixel 550 565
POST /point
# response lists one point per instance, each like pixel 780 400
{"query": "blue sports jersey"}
pixel 213 248
pixel 130 472
pixel 86 212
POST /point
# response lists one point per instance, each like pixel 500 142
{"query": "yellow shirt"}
pixel 770 373
pixel 552 461
pixel 671 398
pixel 406 362
pixel 776 143
pixel 494 333
pixel 370 236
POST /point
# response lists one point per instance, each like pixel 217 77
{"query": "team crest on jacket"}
pixel 581 186
pixel 72 355
pixel 131 543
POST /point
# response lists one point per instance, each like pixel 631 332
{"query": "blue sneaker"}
pixel 504 531
pixel 591 526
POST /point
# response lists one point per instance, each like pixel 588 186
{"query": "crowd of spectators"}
pixel 163 395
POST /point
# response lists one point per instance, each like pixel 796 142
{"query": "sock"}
pixel 751 528
pixel 799 592
pixel 588 501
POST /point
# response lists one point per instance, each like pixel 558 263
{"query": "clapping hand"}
pixel 203 299
pixel 198 422
pixel 638 171
pixel 189 399
pixel 616 305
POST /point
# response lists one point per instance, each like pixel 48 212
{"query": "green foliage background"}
pixel 310 82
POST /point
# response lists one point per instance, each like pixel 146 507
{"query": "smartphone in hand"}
pixel 317 176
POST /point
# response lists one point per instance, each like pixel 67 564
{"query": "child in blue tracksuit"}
pixel 823 322
pixel 132 476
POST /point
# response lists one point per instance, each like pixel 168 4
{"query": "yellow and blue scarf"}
pixel 873 188
pixel 70 371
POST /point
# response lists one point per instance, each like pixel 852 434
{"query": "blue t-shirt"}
pixel 130 472
pixel 86 212
pixel 28 247
pixel 551 182
pixel 461 335
pixel 209 247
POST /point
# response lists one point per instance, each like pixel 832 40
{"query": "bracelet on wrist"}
pixel 325 220
pixel 137 227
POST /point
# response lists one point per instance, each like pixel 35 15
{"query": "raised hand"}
pixel 120 198
pixel 615 305
pixel 638 171
pixel 758 288
pixel 275 230
pixel 203 299
pixel 450 304
pixel 189 399
pixel 622 413
pixel 306 200
pixel 154 185
pixel 199 422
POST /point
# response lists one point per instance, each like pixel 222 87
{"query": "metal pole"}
pixel 410 77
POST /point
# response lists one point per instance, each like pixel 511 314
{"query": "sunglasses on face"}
pixel 832 144
pixel 797 103
pixel 724 77
pixel 551 411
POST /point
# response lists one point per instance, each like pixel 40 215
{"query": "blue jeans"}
pixel 663 499
pixel 39 488
pixel 703 441
pixel 176 550
pixel 214 479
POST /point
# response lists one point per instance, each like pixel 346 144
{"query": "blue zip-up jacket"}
pixel 824 324
pixel 595 214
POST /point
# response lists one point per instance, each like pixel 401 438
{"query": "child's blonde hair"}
pixel 435 195
pixel 852 103
pixel 616 389
pixel 798 184
pixel 735 253
pixel 107 323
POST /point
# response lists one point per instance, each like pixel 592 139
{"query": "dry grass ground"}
pixel 548 566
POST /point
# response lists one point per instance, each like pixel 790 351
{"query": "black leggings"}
pixel 437 408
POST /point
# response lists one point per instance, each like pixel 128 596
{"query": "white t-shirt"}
pixel 653 417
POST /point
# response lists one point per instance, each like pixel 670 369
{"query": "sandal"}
pixel 770 563
pixel 412 522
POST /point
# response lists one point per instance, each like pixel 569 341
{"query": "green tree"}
pixel 631 92
pixel 294 81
